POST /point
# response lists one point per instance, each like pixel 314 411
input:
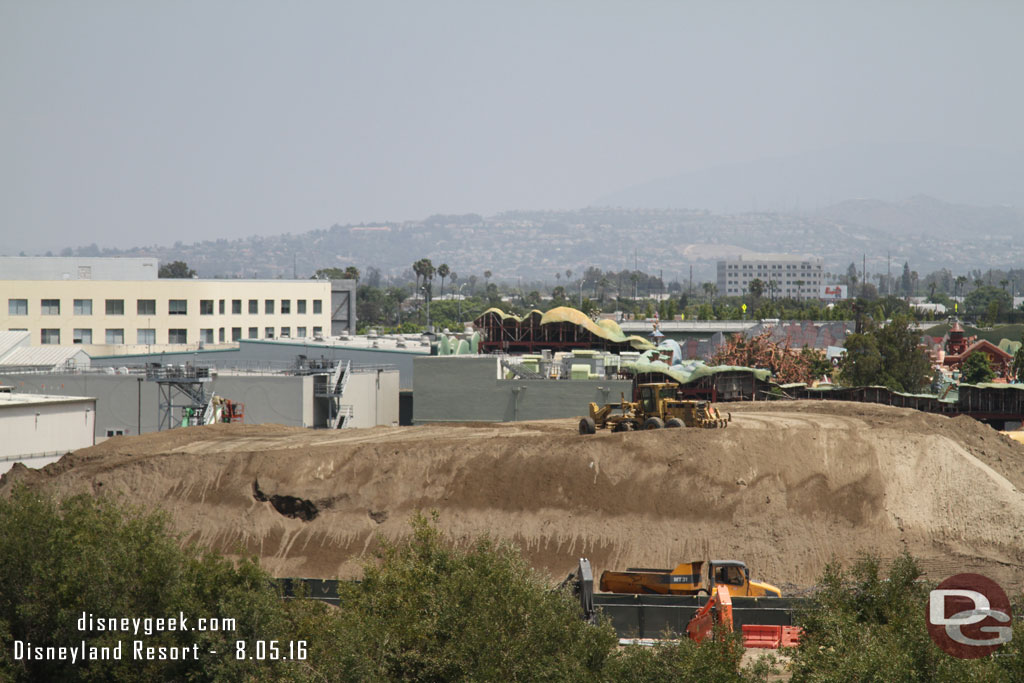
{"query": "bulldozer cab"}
pixel 652 397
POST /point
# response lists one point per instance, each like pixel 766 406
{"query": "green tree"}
pixel 988 302
pixel 429 612
pixel 887 356
pixel 176 269
pixel 443 271
pixel 91 555
pixel 756 288
pixel 351 273
pixel 976 369
pixel 328 274
pixel 866 626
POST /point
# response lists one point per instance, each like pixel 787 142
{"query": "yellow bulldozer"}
pixel 659 406
pixel 689 579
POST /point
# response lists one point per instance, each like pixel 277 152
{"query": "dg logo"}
pixel 969 616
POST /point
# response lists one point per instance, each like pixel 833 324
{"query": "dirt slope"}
pixel 785 487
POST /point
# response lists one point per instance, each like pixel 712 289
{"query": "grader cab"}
pixel 658 406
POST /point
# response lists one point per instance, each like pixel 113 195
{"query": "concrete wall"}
pixel 468 389
pixel 373 396
pixel 283 400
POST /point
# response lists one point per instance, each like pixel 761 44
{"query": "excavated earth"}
pixel 786 487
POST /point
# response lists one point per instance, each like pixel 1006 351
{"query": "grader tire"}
pixel 653 423
pixel 587 426
pixel 674 422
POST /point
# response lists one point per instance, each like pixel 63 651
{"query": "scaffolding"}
pixel 184 387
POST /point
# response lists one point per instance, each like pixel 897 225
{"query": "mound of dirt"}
pixel 786 487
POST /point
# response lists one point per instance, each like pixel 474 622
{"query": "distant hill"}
pixel 809 181
pixel 926 216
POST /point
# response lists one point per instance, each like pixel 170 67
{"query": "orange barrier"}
pixel 791 636
pixel 757 635
pixel 771 637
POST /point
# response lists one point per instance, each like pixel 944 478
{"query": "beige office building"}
pixel 115 316
pixel 799 277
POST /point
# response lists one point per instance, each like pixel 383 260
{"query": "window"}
pixel 269 333
pixel 81 337
pixel 17 307
pixel 318 331
pixel 236 306
pixel 268 306
pixel 145 336
pixel 318 306
pixel 220 334
pixel 254 306
pixel 300 306
pixel 177 336
pixel 220 307
pixel 254 333
pixel 286 306
pixel 300 332
pixel 50 306
pixel 286 332
pixel 83 307
pixel 49 336
pixel 206 335
pixel 146 306
pixel 115 336
pixel 111 433
pixel 115 307
pixel 236 333
pixel 206 307
pixel 178 307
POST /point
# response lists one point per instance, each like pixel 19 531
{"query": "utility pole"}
pixel 888 274
pixel 691 279
pixel 863 274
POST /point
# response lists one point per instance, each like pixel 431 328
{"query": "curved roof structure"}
pixel 560 328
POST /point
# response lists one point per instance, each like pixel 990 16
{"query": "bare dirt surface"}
pixel 785 488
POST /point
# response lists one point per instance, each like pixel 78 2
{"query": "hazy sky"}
pixel 132 123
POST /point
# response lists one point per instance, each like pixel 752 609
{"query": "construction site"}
pixel 787 487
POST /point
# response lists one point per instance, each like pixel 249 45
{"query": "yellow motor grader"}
pixel 658 407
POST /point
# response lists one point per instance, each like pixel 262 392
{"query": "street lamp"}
pixel 426 295
pixel 460 302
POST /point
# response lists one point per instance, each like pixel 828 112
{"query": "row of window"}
pixel 174 306
pixel 174 336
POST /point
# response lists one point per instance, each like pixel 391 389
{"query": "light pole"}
pixel 426 295
pixel 460 302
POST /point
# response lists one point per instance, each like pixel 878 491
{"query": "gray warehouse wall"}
pixel 467 389
pixel 276 354
pixel 283 400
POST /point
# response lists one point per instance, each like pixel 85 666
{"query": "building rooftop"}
pixel 46 357
pixel 13 399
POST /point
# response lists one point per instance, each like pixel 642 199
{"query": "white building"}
pixel 799 277
pixel 64 304
pixel 38 429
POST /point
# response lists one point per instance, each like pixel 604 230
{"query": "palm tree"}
pixel 352 273
pixel 443 271
pixel 799 286
pixel 603 284
pixel 756 287
pixel 959 283
pixel 1003 283
pixel 487 277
